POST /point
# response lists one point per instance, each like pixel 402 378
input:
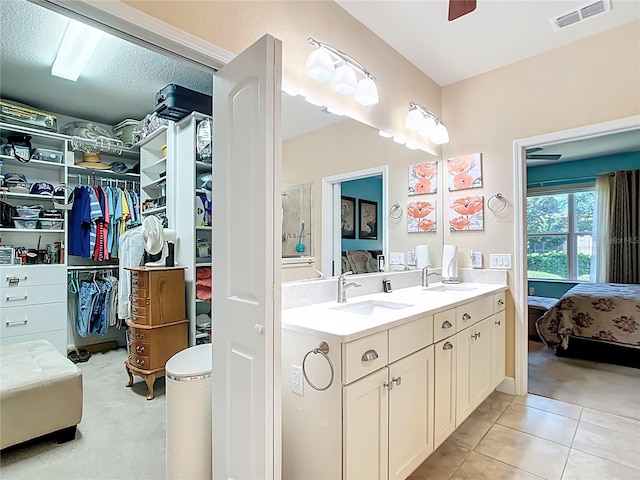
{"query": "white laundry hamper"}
pixel 188 390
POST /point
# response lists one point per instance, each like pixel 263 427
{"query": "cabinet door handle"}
pixel 15 280
pixel 447 346
pixel 497 322
pixel 501 302
pixel 466 316
pixel 369 356
pixel 388 385
pixel 17 322
pixel 24 297
pixel 447 324
pixel 475 336
pixel 397 380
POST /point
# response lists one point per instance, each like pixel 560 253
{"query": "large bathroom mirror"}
pixel 319 147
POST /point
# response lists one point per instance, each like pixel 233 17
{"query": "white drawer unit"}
pixel 444 324
pixel 498 301
pixel 33 304
pixel 410 337
pixel 363 356
pixel 472 312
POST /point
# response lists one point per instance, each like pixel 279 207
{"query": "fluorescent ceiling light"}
pixel 78 44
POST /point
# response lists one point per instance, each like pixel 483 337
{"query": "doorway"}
pixel 520 265
pixel 331 217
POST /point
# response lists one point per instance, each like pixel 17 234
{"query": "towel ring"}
pixel 322 349
pixel 499 198
pixel 395 211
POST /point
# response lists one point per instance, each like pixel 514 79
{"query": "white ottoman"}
pixel 40 393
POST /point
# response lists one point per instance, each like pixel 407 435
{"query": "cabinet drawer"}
pixel 473 312
pixel 139 282
pixel 444 324
pixel 27 275
pixel 139 317
pixel 139 335
pixel 32 319
pixel 410 337
pixel 498 301
pixel 363 356
pixel 140 348
pixel 139 295
pixel 36 294
pixel 138 311
pixel 140 361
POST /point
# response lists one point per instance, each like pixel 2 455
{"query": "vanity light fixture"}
pixel 76 48
pixel 426 123
pixel 329 63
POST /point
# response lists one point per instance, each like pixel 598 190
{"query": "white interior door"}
pixel 246 264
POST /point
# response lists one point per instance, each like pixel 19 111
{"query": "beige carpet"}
pixel 609 388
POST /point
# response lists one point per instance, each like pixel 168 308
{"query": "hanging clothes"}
pixel 93 307
pixel 131 254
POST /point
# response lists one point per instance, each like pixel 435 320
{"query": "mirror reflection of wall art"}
pixel 423 178
pixel 421 216
pixel 368 220
pixel 348 217
pixel 466 213
pixel 464 171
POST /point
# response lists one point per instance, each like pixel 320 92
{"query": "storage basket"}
pixel 51 224
pixel 24 223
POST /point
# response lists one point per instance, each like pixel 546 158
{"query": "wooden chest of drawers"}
pixel 157 327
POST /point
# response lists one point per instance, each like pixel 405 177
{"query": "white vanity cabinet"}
pixel 498 339
pixel 445 361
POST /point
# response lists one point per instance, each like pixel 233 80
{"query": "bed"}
pixel 604 312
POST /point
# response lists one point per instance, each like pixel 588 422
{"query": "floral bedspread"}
pixel 609 312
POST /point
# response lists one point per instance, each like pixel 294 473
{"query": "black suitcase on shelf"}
pixel 174 102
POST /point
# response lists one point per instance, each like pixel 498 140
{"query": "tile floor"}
pixel 533 437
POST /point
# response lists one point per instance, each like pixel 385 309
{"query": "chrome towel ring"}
pixel 322 349
pixel 395 211
pixel 499 203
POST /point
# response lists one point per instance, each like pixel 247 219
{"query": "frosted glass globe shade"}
pixel 366 92
pixel 319 65
pixel 344 81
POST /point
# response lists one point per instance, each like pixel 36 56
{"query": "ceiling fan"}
pixel 532 155
pixel 458 8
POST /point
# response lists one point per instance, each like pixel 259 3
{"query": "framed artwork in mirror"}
pixel 348 217
pixel 368 220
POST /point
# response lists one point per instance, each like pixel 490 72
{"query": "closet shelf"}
pixel 39 164
pixel 154 185
pixel 149 139
pixel 204 227
pixel 75 170
pixel 151 211
pixel 156 167
pixel 26 196
pixel 30 230
pixel 203 167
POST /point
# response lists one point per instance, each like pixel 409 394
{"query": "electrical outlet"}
pixel 411 257
pixel 297 381
pixel 396 258
pixel 532 290
pixel 476 259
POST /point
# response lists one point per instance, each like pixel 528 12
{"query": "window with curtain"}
pixel 559 234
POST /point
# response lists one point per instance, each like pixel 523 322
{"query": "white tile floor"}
pixel 531 437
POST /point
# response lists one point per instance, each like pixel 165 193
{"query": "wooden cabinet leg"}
pixel 126 366
pixel 150 379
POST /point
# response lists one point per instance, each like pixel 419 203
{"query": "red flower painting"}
pixel 421 216
pixel 464 171
pixel 423 178
pixel 466 213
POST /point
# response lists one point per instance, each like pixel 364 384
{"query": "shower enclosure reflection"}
pixel 297 221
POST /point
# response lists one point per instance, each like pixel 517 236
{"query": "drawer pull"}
pixel 23 297
pixel 397 380
pixel 447 346
pixel 139 335
pixel 447 324
pixel 475 336
pixel 18 322
pixel 501 302
pixel 466 316
pixel 388 385
pixel 369 356
pixel 15 280
pixel 139 362
pixel 139 349
pixel 497 322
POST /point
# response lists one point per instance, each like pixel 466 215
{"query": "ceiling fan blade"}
pixel 458 8
pixel 544 156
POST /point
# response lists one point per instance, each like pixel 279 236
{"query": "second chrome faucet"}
pixel 343 285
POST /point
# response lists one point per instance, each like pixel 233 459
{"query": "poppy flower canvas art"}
pixel 421 216
pixel 423 178
pixel 466 213
pixel 464 171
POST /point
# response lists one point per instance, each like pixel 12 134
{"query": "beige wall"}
pixel 236 25
pixel 587 82
pixel 346 147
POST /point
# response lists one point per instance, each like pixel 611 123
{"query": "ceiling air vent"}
pixel 575 16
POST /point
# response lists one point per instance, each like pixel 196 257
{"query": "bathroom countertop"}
pixel 328 319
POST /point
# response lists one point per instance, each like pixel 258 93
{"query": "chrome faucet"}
pixel 426 275
pixel 343 285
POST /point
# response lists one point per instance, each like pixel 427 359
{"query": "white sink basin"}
pixel 450 288
pixel 371 307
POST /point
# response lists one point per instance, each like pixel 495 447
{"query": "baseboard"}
pixel 508 385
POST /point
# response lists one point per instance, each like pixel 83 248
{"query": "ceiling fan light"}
pixel 415 120
pixel 366 92
pixel 319 65
pixel 441 135
pixel 344 80
pixel 428 127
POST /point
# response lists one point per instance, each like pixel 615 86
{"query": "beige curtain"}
pixel 624 240
pixel 601 229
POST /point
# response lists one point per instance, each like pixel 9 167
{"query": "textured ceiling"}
pixel 120 80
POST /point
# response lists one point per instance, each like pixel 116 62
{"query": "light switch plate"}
pixel 411 257
pixel 396 258
pixel 476 259
pixel 297 382
pixel 500 261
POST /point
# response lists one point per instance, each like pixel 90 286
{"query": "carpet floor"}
pixel 602 386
